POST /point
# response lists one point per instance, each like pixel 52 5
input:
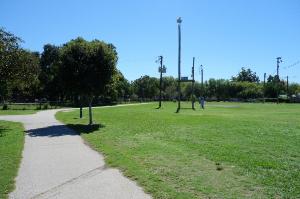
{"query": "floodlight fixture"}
pixel 179 20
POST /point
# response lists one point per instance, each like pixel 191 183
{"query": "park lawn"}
pixel 17 112
pixel 11 146
pixel 228 150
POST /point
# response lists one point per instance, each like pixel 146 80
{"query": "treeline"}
pixel 240 87
pixel 79 72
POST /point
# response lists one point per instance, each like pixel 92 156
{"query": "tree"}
pixel 118 88
pixel 25 80
pixel 18 68
pixel 50 79
pixel 87 68
pixel 274 87
pixel 9 47
pixel 169 87
pixel 146 87
pixel 294 89
pixel 246 75
pixel 249 90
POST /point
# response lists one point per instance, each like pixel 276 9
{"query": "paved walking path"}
pixel 57 164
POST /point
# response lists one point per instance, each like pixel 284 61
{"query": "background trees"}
pixel 19 68
pixel 50 78
pixel 80 70
pixel 246 75
pixel 146 87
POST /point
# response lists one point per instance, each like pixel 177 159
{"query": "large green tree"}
pixel 9 47
pixel 18 68
pixel 50 79
pixel 87 68
pixel 24 83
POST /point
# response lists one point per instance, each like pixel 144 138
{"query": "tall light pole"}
pixel 193 84
pixel 264 93
pixel 202 88
pixel 160 80
pixel 161 69
pixel 287 86
pixel 179 61
pixel 279 60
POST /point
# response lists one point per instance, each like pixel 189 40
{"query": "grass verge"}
pixel 228 150
pixel 11 146
pixel 17 112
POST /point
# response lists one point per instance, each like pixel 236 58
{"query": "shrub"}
pixel 45 106
pixel 5 107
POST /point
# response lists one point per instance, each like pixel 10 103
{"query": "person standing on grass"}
pixel 201 102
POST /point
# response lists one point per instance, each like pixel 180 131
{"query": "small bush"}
pixel 45 106
pixel 5 107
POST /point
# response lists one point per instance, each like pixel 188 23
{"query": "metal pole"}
pixel 264 92
pixel 287 86
pixel 277 78
pixel 179 62
pixel 278 61
pixel 202 89
pixel 160 81
pixel 193 84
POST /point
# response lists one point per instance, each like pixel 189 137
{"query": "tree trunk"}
pixel 90 111
pixel 80 107
pixel 80 110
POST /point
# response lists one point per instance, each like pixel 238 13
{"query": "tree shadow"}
pixel 51 131
pixel 2 130
pixel 85 129
pixel 64 130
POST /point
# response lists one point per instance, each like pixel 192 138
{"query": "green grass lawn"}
pixel 11 146
pixel 16 112
pixel 228 150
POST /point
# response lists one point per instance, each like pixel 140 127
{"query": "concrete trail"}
pixel 57 164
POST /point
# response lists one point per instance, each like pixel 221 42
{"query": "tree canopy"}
pixel 79 71
pixel 18 67
pixel 87 67
pixel 246 75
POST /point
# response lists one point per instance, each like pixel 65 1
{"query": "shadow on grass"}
pixel 85 129
pixel 1 131
pixel 64 130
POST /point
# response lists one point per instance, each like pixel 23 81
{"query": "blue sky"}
pixel 222 35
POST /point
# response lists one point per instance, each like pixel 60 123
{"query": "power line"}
pixel 292 65
pixel 285 67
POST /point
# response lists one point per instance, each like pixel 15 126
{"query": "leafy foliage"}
pixel 87 67
pixel 19 68
pixel 246 75
pixel 80 69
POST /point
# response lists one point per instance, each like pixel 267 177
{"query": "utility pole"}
pixel 202 88
pixel 161 70
pixel 287 86
pixel 179 62
pixel 264 93
pixel 193 84
pixel 279 60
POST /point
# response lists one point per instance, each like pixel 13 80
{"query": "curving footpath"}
pixel 57 164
